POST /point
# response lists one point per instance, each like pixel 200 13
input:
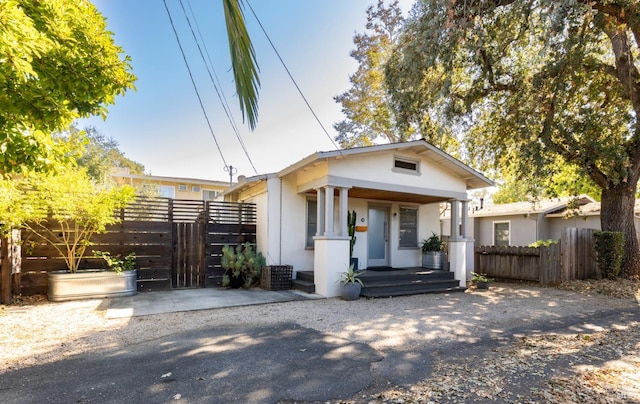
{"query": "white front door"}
pixel 378 237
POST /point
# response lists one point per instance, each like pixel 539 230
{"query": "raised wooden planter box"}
pixel 90 284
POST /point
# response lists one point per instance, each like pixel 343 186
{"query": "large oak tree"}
pixel 531 81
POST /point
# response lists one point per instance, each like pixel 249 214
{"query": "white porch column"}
pixel 330 259
pixel 468 240
pixel 465 218
pixel 471 264
pixel 320 212
pixel 455 219
pixel 328 209
pixel 344 209
pixel 457 245
pixel 458 260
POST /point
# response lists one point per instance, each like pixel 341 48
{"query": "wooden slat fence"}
pixel 572 258
pixel 227 224
pixel 178 244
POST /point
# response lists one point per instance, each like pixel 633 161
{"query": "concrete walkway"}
pixel 171 301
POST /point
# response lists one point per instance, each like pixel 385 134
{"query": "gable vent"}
pixel 406 165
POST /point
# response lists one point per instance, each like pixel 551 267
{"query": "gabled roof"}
pixel 545 206
pixel 473 178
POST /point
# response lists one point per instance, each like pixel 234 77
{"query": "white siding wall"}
pixel 293 228
pixel 379 168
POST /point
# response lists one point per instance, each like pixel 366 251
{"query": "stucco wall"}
pixel 379 167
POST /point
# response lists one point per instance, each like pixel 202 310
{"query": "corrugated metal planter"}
pixel 433 259
pixel 89 284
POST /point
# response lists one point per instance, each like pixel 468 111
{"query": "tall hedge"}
pixel 609 247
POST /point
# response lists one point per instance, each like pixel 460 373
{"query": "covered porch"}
pixel 402 275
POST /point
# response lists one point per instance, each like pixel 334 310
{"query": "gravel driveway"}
pixel 425 342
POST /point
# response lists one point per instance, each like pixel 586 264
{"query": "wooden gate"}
pixel 187 269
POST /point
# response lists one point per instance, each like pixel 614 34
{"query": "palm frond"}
pixel 243 61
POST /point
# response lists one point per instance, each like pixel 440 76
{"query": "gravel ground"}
pixel 599 364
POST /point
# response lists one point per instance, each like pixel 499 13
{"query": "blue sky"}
pixel 161 125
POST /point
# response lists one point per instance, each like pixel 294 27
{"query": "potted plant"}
pixel 351 227
pixel 118 264
pixel 481 280
pixel 351 284
pixel 433 252
pixel 66 211
pixel 242 266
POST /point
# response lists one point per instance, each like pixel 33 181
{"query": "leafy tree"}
pixel 79 209
pixel 366 104
pixel 562 180
pixel 58 63
pixel 530 82
pixel 101 154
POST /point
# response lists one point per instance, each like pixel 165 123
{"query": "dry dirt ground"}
pixel 596 364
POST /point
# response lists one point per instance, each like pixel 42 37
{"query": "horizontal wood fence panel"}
pixel 153 285
pixel 154 273
pixel 140 226
pixel 147 229
pixel 45 250
pixel 220 228
pixel 230 239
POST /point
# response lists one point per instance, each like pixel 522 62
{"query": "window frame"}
pixel 493 230
pixel 216 192
pixel 170 188
pixel 309 244
pixel 401 227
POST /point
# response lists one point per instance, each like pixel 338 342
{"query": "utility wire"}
pixel 291 77
pixel 218 91
pixel 206 51
pixel 193 82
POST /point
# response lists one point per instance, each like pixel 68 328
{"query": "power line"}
pixel 291 77
pixel 225 106
pixel 175 33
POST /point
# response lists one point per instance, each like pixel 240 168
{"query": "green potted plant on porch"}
pixel 433 252
pixel 66 209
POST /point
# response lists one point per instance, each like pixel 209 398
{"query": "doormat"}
pixel 383 268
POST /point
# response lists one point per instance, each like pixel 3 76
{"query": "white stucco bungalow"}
pixel 395 190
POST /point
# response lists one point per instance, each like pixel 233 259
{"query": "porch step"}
pixel 412 281
pixel 304 282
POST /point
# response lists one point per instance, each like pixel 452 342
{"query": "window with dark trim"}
pixel 408 227
pixel 312 221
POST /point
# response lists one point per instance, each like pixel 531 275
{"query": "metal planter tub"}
pixel 89 284
pixel 433 259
